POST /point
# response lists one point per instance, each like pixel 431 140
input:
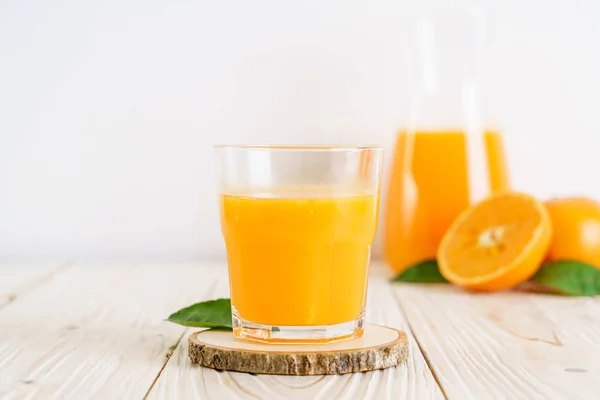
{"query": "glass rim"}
pixel 307 147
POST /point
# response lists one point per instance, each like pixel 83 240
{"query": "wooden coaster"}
pixel 380 347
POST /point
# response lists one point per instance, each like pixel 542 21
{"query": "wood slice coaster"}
pixel 379 347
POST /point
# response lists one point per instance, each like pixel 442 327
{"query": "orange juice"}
pixel 430 185
pixel 298 259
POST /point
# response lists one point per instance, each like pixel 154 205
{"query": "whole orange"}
pixel 576 226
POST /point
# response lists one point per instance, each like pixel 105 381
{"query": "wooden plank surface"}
pixel 413 380
pixel 506 345
pixel 16 279
pixel 84 331
pixel 96 331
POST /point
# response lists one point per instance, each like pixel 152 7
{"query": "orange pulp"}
pixel 429 187
pixel 298 259
pixel 497 243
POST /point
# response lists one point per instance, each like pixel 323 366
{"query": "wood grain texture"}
pixel 413 380
pixel 16 280
pixel 506 345
pixel 95 331
pixel 380 347
pixel 99 332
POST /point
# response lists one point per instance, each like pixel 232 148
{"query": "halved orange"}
pixel 497 243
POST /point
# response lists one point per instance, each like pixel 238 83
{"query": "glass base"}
pixel 261 333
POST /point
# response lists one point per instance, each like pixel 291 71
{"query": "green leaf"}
pixel 569 277
pixel 423 272
pixel 207 314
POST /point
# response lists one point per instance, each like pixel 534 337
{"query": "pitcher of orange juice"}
pixel 447 157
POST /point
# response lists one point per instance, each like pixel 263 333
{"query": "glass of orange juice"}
pixel 298 224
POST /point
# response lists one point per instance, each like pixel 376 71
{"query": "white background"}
pixel 109 109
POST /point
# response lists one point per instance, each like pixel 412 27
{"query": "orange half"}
pixel 497 243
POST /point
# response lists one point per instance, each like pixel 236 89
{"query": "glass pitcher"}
pixel 447 157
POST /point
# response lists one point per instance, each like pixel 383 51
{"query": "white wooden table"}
pixel 72 331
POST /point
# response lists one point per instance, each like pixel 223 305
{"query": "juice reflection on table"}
pixel 299 258
pixel 430 185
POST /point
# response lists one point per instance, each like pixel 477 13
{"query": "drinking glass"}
pixel 298 224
